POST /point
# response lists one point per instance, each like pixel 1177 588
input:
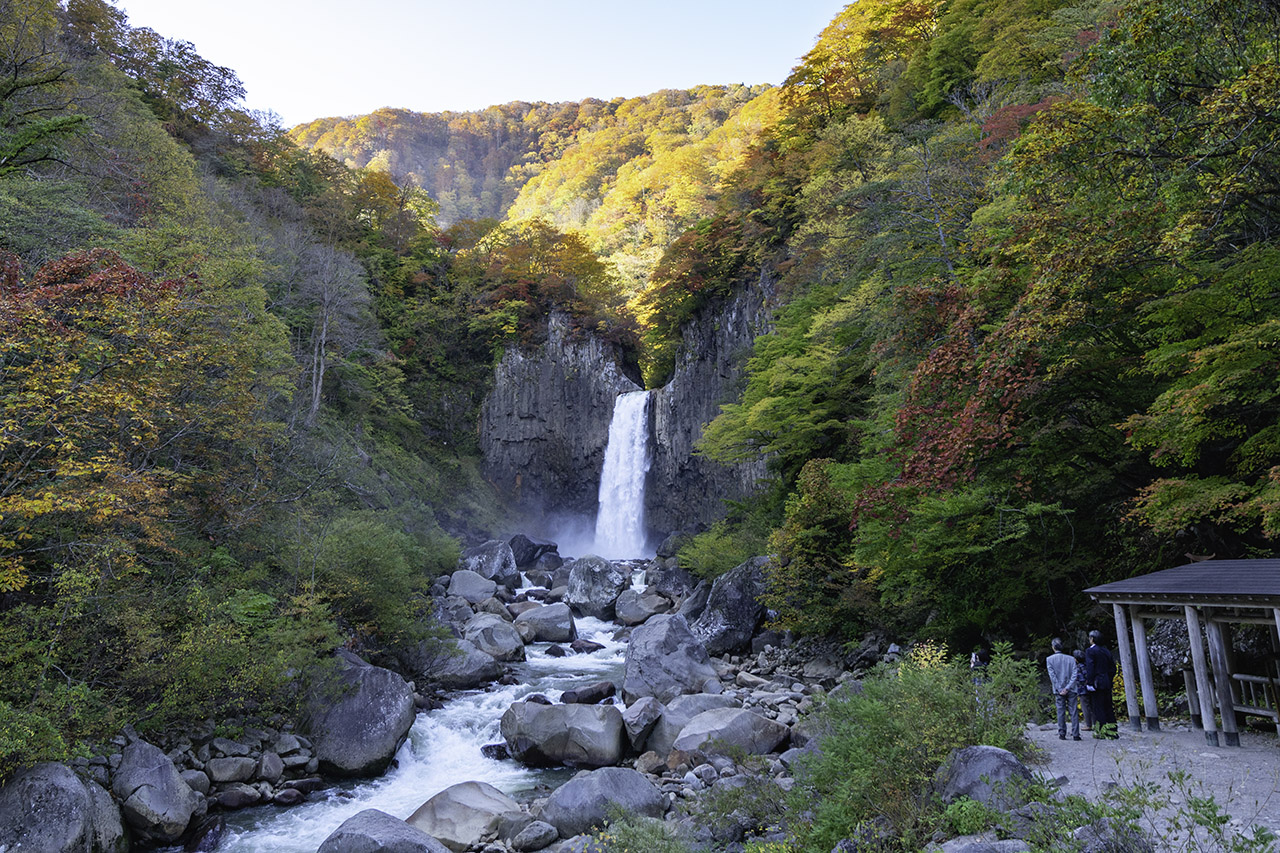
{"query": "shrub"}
pixel 630 834
pixel 969 817
pixel 26 738
pixel 881 747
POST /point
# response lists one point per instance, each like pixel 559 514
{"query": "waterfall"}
pixel 620 532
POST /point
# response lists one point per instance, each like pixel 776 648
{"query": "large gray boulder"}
pixel 358 718
pixel 634 607
pixel 665 660
pixel 693 605
pixel 587 800
pixel 551 623
pixel 373 831
pixel 639 719
pixel 732 728
pixel 464 667
pixel 493 560
pixel 471 586
pixel 576 735
pixel 677 714
pixel 454 609
pixel 495 636
pixel 527 550
pixel 461 814
pixel 47 809
pixel 594 585
pixel 988 774
pixel 156 803
pixel 734 610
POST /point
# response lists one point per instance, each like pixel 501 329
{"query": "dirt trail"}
pixel 1244 780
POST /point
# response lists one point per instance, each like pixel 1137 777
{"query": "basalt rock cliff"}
pixel 545 424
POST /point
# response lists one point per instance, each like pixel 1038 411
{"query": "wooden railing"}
pixel 1257 695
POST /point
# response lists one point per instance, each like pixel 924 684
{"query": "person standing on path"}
pixel 1086 709
pixel 1062 678
pixel 1099 672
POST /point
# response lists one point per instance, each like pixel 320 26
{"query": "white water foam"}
pixel 443 749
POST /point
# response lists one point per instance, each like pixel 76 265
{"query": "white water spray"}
pixel 620 530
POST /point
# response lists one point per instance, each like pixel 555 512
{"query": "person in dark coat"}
pixel 1099 672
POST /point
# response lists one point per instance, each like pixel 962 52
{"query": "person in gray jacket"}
pixel 1062 678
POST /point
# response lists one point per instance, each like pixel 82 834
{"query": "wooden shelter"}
pixel 1213 594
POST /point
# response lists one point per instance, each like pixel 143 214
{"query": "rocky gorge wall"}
pixel 545 424
pixel 686 491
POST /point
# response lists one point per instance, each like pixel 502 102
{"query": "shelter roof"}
pixel 1230 583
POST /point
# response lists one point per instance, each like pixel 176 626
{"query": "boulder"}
pixel 677 714
pixel 461 814
pixel 493 560
pixel 239 769
pixel 288 797
pixel 733 611
pixel 585 647
pixel 494 636
pixel 155 801
pixel 207 835
pixel 594 585
pixel 518 607
pixel 552 623
pixel 527 550
pixel 576 735
pixel 454 609
pixel 691 608
pixel 592 694
pixel 734 728
pixel 238 795
pixel 47 809
pixel 548 562
pixel 373 831
pixel 536 836
pixel 588 800
pixel 464 669
pixel 665 660
pixel 358 718
pixel 635 608
pixel 198 780
pixel 670 580
pixel 990 775
pixel 471 586
pixel 270 767
pixel 639 719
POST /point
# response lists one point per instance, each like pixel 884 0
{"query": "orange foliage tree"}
pixel 119 407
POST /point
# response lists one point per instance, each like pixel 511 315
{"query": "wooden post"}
pixel 1222 677
pixel 1193 698
pixel 1275 644
pixel 1126 667
pixel 1201 668
pixel 1149 706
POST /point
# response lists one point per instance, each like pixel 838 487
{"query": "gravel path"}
pixel 1244 780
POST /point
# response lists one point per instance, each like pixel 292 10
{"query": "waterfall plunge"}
pixel 620 530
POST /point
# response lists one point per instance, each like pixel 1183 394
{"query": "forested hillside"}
pixel 1029 340
pixel 1025 252
pixel 239 384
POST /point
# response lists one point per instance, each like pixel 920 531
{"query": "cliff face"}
pixel 544 426
pixel 686 491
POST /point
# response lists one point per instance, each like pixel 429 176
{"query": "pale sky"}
pixel 308 59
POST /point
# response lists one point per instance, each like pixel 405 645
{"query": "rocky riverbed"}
pixel 562 666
